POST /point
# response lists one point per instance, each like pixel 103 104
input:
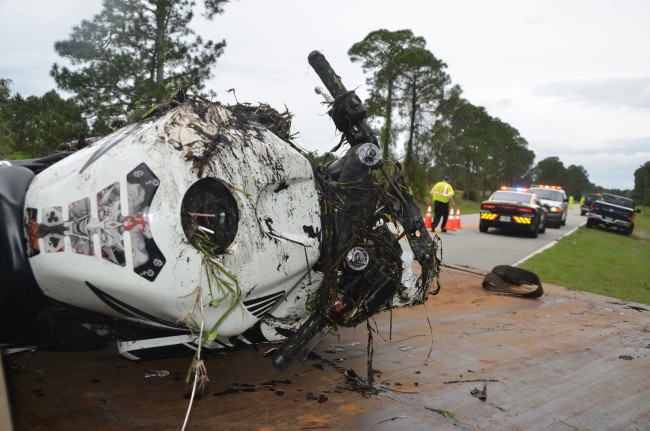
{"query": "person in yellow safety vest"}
pixel 442 193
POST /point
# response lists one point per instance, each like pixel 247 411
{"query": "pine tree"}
pixel 379 53
pixel 134 53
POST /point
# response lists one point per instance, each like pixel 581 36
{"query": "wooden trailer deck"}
pixel 566 361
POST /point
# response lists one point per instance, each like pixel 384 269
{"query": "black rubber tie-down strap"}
pixel 517 281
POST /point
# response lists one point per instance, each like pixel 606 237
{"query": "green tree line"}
pixel 36 126
pixel 413 101
pixel 128 58
pixel 135 53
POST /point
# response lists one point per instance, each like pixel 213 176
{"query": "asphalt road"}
pixel 470 248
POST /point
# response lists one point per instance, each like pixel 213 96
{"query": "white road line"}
pixel 549 245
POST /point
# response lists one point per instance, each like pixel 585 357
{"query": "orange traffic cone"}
pixel 427 218
pixel 454 221
pixel 457 221
pixel 450 221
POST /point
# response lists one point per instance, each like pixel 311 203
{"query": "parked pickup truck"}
pixel 612 211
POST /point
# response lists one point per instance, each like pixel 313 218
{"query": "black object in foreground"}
pixel 508 279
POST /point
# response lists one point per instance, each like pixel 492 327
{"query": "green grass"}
pixel 468 207
pixel 600 261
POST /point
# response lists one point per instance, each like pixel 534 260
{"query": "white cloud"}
pixel 608 170
pixel 617 92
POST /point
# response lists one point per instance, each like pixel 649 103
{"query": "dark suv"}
pixel 589 198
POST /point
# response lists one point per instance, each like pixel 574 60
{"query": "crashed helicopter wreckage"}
pixel 199 226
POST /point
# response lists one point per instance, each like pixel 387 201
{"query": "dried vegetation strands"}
pixel 276 122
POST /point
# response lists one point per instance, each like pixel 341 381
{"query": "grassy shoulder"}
pixel 600 261
pixel 465 206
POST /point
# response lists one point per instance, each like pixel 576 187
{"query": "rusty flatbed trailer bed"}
pixel 566 361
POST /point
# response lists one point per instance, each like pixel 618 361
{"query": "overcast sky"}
pixel 572 76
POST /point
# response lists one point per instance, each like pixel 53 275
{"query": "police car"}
pixel 515 209
pixel 557 202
